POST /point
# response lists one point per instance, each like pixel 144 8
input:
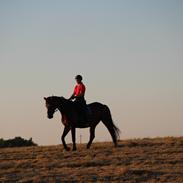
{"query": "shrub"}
pixel 16 142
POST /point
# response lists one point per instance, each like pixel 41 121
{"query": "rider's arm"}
pixel 79 95
pixel 72 97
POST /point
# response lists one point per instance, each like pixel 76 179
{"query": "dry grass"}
pixel 137 160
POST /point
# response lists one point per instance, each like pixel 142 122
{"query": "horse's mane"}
pixel 56 99
pixel 64 105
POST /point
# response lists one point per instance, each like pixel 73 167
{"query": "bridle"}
pixel 56 110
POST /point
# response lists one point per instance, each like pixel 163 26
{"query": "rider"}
pixel 78 95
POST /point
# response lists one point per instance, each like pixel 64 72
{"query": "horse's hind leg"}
pixel 66 131
pixel 92 136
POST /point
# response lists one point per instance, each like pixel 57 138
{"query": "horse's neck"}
pixel 62 106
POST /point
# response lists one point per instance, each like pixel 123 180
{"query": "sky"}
pixel 130 54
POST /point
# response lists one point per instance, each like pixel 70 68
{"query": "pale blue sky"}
pixel 129 52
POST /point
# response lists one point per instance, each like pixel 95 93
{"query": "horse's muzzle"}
pixel 50 116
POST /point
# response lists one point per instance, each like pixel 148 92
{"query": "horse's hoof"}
pixel 68 149
pixel 88 146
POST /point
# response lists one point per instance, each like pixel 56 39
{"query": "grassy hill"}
pixel 136 160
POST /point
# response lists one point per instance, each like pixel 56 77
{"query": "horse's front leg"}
pixel 66 131
pixel 73 130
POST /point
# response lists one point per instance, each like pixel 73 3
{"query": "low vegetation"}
pixel 16 142
pixel 136 160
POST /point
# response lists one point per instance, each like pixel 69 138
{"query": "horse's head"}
pixel 51 105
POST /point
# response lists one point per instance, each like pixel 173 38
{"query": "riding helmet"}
pixel 79 77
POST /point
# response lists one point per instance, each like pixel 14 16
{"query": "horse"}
pixel 70 119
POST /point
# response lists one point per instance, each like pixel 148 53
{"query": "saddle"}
pixel 83 120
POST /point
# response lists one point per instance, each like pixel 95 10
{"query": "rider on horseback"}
pixel 78 96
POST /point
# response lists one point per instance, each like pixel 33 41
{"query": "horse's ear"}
pixel 45 98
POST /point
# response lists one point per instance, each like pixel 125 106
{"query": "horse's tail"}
pixel 108 122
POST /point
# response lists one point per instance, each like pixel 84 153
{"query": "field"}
pixel 136 160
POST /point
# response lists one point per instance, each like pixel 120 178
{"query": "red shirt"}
pixel 79 89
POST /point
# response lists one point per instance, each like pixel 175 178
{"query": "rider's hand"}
pixel 72 97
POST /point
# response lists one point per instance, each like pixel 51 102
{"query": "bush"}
pixel 16 142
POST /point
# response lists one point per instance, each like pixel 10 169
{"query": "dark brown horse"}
pixel 71 120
